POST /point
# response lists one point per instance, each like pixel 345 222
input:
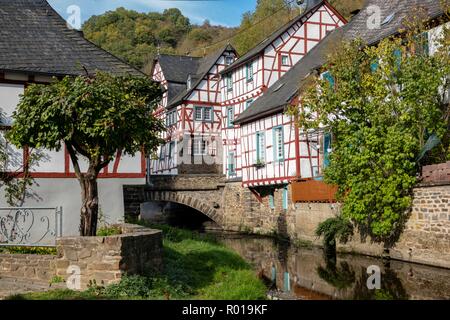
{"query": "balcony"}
pixel 313 191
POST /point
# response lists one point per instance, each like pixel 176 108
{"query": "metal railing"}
pixel 31 227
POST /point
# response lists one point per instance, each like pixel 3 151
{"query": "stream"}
pixel 305 274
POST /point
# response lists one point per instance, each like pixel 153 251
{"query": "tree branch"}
pixel 74 158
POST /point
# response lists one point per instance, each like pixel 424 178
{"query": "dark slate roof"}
pixel 178 68
pixel 35 39
pixel 263 44
pixel 203 65
pixel 281 92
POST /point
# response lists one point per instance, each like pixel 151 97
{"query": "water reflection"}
pixel 306 273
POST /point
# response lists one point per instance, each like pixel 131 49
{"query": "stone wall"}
pixel 137 250
pixel 426 238
pixel 29 266
pixel 106 259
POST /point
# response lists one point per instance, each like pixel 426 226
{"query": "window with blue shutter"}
pixel 287 282
pixel 231 164
pixel 230 117
pixel 285 198
pixel 278 144
pixel 260 147
pixel 249 71
pixel 328 77
pixel 326 149
pixel 229 82
pixel 271 201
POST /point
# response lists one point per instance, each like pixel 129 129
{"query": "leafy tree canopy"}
pixel 94 118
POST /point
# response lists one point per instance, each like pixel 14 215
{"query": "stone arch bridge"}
pixel 203 193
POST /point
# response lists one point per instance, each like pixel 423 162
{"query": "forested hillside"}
pixel 137 37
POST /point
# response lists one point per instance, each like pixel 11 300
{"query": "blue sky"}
pixel 224 12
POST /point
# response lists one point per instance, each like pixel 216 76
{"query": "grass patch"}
pixel 109 231
pixel 28 250
pixel 196 266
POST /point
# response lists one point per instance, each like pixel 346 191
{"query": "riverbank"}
pixel 196 267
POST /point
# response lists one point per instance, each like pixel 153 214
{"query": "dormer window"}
pixel 189 82
pixel 228 60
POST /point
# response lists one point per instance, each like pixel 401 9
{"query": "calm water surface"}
pixel 304 273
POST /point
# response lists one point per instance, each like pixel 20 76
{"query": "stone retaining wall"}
pixel 137 250
pixel 426 238
pixel 29 266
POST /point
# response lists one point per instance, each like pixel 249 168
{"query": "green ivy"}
pixel 381 118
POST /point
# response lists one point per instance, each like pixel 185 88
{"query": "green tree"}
pixel 382 104
pixel 94 118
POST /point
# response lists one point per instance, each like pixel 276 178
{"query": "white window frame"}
pixel 200 146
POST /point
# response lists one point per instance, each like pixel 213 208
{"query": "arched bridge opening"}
pixel 178 198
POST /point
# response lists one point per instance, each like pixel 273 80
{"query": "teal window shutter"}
pixel 271 201
pixel 285 198
pixel 278 144
pixel 274 274
pixel 260 147
pixel 231 164
pixel 249 71
pixel 398 57
pixel 230 117
pixel 328 77
pixel 287 282
pixel 326 149
pixel 374 66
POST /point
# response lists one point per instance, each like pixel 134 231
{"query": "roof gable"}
pixel 274 101
pixel 203 67
pixel 263 45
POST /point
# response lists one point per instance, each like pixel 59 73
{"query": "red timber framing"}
pixel 205 95
pixel 114 170
pixel 267 68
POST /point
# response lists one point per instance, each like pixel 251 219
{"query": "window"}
pixel 203 114
pixel 229 82
pixel 171 118
pixel 285 198
pixel 326 149
pixel 248 103
pixel 230 117
pixel 229 60
pixel 207 114
pixel 260 147
pixel 171 150
pixel 198 114
pixel 231 164
pixel 278 147
pixel 249 71
pixel 199 147
pixel 285 60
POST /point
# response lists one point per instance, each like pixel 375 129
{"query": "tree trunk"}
pixel 89 208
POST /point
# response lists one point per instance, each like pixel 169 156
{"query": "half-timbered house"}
pixel 250 76
pixel 192 111
pixel 274 151
pixel 37 45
